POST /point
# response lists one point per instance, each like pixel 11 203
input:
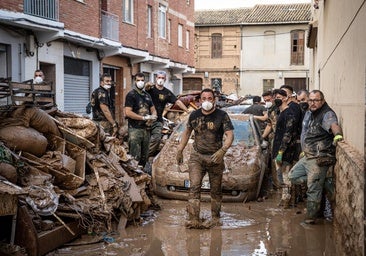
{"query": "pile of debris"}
pixel 66 168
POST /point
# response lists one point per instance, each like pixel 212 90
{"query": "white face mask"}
pixel 37 80
pixel 107 86
pixel 207 105
pixel 160 81
pixel 268 104
pixel 140 84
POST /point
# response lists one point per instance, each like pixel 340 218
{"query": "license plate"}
pixel 205 184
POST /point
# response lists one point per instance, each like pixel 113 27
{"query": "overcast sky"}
pixel 225 4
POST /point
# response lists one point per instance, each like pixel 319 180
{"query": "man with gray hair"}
pixel 160 96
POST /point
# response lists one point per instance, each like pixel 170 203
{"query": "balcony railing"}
pixel 110 26
pixel 47 9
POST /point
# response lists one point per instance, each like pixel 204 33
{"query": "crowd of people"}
pixel 301 128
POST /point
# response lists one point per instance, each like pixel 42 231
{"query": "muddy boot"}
pixel 285 198
pixel 193 210
pixel 215 212
pixel 312 209
pixel 293 195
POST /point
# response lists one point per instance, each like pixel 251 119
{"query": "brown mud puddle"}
pixel 253 228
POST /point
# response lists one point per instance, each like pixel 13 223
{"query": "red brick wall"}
pixel 135 35
pixel 80 17
pixel 12 5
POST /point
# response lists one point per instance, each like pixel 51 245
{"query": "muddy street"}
pixel 254 228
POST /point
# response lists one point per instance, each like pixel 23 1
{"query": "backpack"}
pixel 88 108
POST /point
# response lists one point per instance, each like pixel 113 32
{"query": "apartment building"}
pixel 75 41
pixel 250 50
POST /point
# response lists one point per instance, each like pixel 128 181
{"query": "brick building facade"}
pixel 73 42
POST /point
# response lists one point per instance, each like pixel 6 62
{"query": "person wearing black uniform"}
pixel 140 113
pixel 209 125
pixel 160 96
pixel 103 107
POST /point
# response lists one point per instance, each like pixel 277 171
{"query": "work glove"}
pixel 302 154
pixel 337 138
pixel 150 117
pixel 179 157
pixel 218 156
pixel 279 157
pixel 148 86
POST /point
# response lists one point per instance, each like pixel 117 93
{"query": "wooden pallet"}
pixel 29 94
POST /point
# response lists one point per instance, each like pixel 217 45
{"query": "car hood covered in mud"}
pixel 245 163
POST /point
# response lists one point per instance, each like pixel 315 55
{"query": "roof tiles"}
pixel 259 14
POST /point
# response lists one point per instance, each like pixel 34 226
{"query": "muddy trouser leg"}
pixel 138 144
pixel 145 147
pixel 155 138
pixel 316 178
pixel 215 175
pixel 329 184
pixel 196 173
pixel 286 187
pixel 298 174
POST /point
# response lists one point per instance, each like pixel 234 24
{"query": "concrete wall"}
pixel 340 64
pixel 339 70
pixel 349 210
pixel 265 59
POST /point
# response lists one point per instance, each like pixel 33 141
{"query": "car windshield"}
pixel 243 132
pixel 236 109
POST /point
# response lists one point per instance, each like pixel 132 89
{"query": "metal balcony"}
pixel 110 26
pixel 47 9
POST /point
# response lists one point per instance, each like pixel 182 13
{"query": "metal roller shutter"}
pixel 76 93
pixel 76 85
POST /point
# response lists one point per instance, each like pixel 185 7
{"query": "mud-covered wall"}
pixel 349 209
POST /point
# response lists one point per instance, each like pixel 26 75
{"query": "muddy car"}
pixel 245 164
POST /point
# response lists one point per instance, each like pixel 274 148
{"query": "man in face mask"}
pixel 38 77
pixel 160 96
pixel 209 125
pixel 140 113
pixel 298 114
pixel 302 98
pixel 103 107
pixel 284 144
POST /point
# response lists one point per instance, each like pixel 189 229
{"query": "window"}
pixel 216 46
pixel 162 21
pixel 297 47
pixel 128 11
pixel 169 30
pixel 180 35
pixel 149 21
pixel 187 39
